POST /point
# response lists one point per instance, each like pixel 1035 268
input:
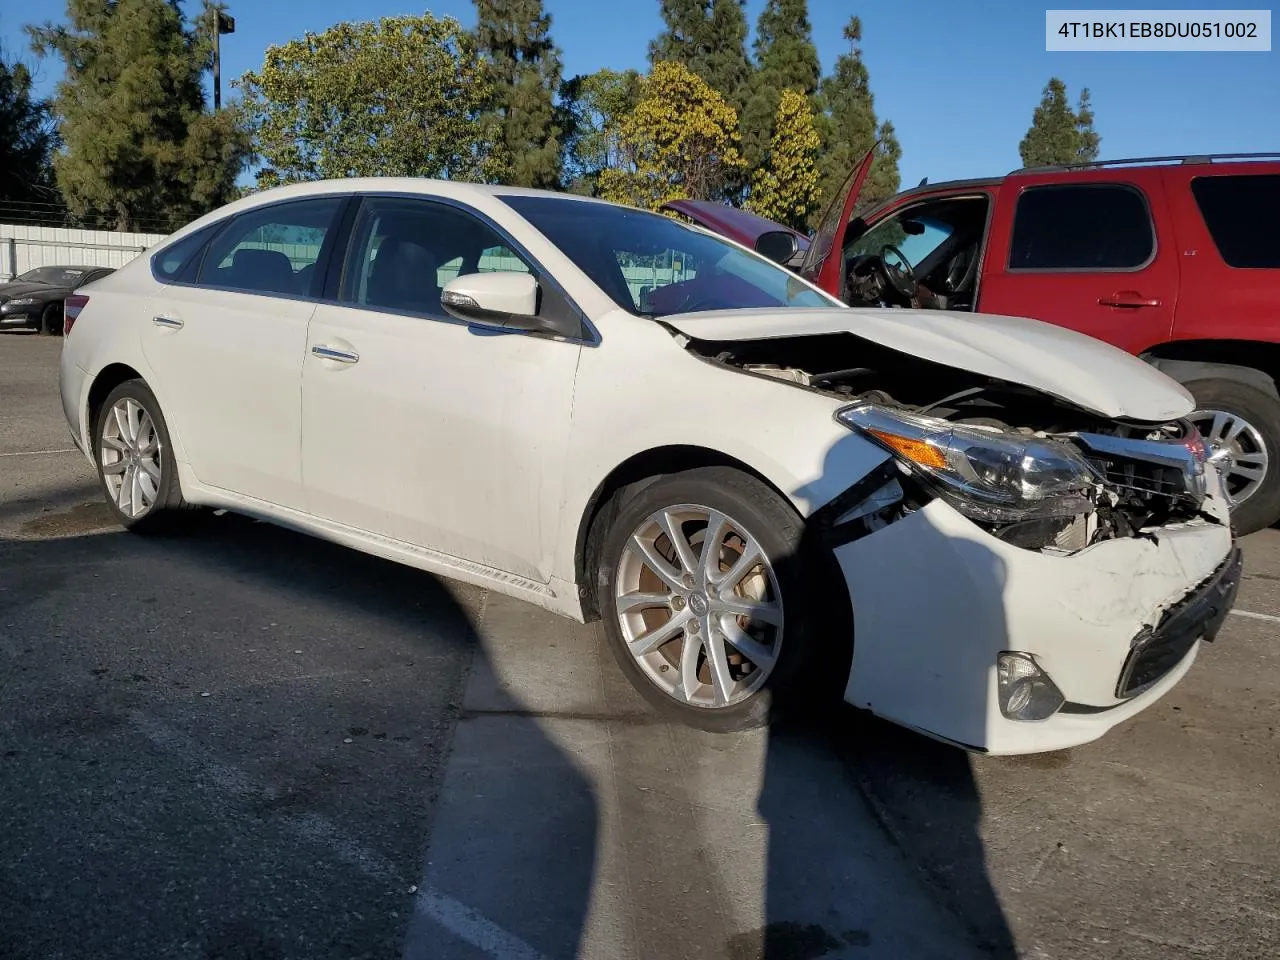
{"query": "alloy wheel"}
pixel 699 607
pixel 130 454
pixel 1236 449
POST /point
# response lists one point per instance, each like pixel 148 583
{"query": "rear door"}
pixel 226 348
pixel 1095 253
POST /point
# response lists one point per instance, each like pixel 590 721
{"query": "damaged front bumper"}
pixel 1115 626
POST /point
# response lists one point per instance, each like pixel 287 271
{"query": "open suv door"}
pixel 818 266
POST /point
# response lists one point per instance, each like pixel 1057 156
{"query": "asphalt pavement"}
pixel 247 743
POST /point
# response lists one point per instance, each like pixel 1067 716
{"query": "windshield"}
pixel 651 265
pixel 54 275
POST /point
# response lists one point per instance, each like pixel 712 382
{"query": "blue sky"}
pixel 959 80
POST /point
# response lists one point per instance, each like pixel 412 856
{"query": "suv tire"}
pixel 1261 412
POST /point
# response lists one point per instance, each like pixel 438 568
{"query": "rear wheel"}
pixel 1241 427
pixel 710 601
pixel 136 465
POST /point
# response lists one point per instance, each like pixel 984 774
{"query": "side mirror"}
pixel 506 300
pixel 778 245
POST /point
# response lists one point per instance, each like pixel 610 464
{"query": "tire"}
pixel 1260 412
pixel 51 320
pixel 802 607
pixel 165 510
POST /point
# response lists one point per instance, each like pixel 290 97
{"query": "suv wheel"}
pixel 1241 427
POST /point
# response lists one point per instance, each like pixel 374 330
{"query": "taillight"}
pixel 71 308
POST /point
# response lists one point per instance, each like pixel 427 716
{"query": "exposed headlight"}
pixel 23 301
pixel 990 475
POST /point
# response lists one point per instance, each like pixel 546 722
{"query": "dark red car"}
pixel 1175 259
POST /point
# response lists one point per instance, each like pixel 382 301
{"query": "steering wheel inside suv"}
pixel 897 270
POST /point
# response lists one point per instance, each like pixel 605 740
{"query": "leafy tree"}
pixel 710 38
pixel 681 140
pixel 400 96
pixel 786 188
pixel 1058 134
pixel 786 59
pixel 849 127
pixel 515 36
pixel 26 139
pixel 140 144
pixel 599 101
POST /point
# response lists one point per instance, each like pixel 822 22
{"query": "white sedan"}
pixel 995 531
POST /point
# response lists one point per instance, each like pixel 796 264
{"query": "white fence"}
pixel 24 247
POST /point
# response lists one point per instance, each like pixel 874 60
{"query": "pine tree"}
pixel 140 144
pixel 515 35
pixel 786 59
pixel 1058 135
pixel 786 188
pixel 849 127
pixel 26 139
pixel 1089 139
pixel 710 38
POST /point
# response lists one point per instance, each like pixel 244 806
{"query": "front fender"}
pixel 785 433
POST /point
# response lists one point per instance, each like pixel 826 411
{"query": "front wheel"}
pixel 710 599
pixel 136 466
pixel 1241 428
pixel 51 320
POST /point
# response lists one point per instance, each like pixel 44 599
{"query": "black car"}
pixel 34 299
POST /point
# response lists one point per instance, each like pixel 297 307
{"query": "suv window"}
pixel 1240 212
pixel 405 251
pixel 1087 226
pixel 272 249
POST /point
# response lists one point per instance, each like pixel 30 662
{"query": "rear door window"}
pixel 1241 213
pixel 273 249
pixel 1082 227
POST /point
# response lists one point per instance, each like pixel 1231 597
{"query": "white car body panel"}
pixel 246 351
pixel 1071 366
pixel 479 455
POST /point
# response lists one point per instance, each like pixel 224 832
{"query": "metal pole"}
pixel 217 61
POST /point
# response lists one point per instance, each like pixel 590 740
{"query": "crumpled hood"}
pixel 1070 366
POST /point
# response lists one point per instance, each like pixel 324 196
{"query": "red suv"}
pixel 1175 259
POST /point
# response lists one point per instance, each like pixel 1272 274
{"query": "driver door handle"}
pixel 325 352
pixel 1128 298
pixel 170 323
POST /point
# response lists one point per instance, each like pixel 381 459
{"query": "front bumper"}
pixel 936 598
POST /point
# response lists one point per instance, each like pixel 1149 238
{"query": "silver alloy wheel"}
pixel 129 452
pixel 1237 449
pixel 699 606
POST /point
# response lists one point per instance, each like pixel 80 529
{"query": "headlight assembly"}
pixel 987 474
pixel 23 302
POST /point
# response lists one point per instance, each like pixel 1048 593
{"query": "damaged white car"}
pixel 995 531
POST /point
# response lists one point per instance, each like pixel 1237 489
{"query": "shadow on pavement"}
pixel 229 744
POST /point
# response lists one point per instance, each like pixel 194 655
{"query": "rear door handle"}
pixel 333 353
pixel 1128 298
pixel 169 323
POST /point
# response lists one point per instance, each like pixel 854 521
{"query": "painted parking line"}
pixel 1255 616
pixel 40 453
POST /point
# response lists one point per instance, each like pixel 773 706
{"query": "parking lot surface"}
pixel 246 743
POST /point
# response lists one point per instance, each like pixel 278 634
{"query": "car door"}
pixel 1093 254
pixel 226 347
pixel 421 428
pixel 818 266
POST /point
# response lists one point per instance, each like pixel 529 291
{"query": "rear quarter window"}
pixel 1241 212
pixel 1082 227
